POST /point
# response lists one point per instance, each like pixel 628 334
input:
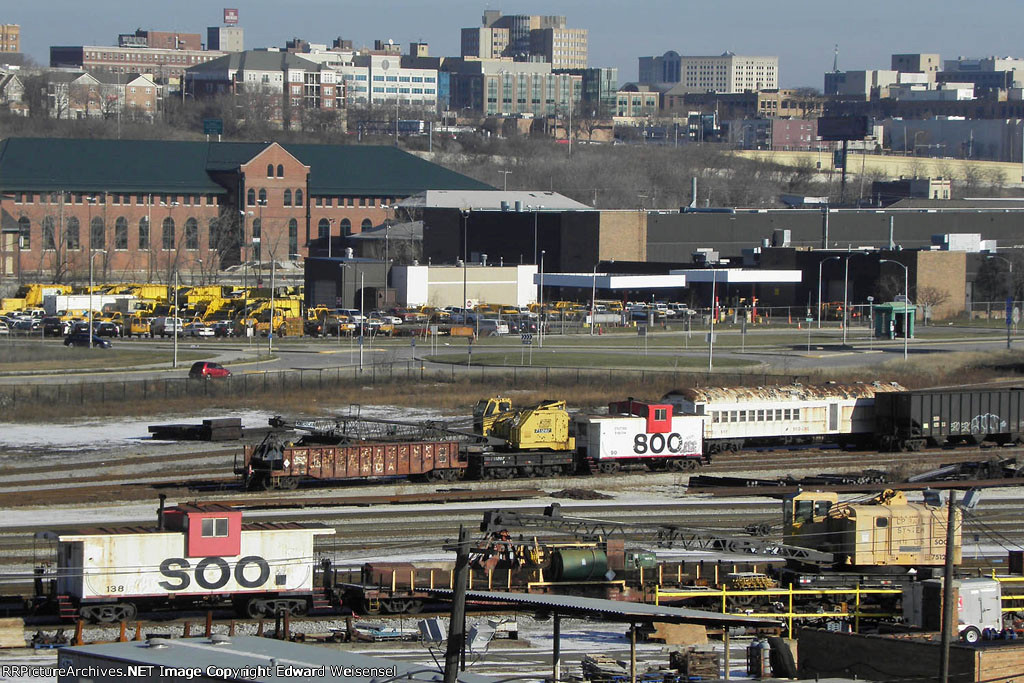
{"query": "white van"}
pixel 166 326
pixel 490 327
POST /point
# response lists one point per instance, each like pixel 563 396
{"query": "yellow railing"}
pixel 1011 598
pixel 723 594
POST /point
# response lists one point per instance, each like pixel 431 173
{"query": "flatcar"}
pixel 739 417
pixel 196 555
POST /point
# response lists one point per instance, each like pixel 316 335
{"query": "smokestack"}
pixel 892 245
pixel 160 513
pixel 693 192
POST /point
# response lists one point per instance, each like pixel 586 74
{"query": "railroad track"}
pixel 109 482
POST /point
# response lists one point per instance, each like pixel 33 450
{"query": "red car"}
pixel 208 370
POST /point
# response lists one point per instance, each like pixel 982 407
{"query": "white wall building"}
pixel 728 73
pixel 444 285
pixel 389 82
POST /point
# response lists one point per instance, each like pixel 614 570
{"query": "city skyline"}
pixel 800 33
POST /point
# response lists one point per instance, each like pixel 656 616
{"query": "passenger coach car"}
pixel 737 417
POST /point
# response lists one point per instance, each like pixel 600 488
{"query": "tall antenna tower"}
pixel 835 59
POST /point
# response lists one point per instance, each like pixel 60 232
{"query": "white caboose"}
pixel 780 415
pixel 640 433
pixel 197 554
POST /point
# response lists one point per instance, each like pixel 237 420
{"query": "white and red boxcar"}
pixel 638 432
pixel 195 555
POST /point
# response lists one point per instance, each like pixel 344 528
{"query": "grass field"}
pixel 542 359
pixel 54 357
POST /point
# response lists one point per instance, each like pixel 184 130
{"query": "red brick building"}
pixel 151 207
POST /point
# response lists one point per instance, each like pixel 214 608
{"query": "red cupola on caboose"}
pixel 210 530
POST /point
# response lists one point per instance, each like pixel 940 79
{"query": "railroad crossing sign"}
pixel 527 338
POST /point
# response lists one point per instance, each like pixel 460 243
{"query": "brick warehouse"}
pixel 156 206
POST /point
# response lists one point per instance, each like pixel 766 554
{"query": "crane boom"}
pixel 664 535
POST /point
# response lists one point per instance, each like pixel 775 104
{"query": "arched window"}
pixel 280 171
pixel 49 238
pixel 263 196
pixel 346 227
pixel 298 197
pixel 367 224
pixel 121 233
pixel 168 233
pixel 270 170
pixel 287 197
pixel 293 239
pixel 24 233
pixel 214 235
pixel 250 197
pixel 257 228
pixel 97 238
pixel 191 234
pixel 144 233
pixel 72 234
pixel 323 228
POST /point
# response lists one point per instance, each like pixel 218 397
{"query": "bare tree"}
pixel 931 298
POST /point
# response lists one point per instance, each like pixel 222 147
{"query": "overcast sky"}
pixel 801 33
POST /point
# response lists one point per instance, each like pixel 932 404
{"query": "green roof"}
pixel 48 164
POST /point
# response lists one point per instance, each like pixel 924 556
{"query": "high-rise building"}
pixel 225 38
pixel 663 69
pixel 922 62
pixel 10 38
pixel 497 87
pixel 166 40
pixel 162 63
pixel 563 48
pixel 728 73
pixel 525 38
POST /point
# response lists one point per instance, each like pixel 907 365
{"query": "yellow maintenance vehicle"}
pixel 886 531
pixel 543 426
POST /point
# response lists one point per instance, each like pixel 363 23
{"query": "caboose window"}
pixel 215 527
pixel 778 413
pixel 714 416
pixel 796 413
pixel 743 416
pixel 660 414
pixel 788 414
pixel 881 522
pixel 760 416
pixel 821 508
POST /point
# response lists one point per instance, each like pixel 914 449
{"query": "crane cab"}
pixel 487 410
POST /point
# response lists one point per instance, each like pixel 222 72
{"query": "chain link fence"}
pixel 399 372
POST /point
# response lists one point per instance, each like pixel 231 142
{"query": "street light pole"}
pixel 846 294
pixel 906 302
pixel 593 302
pixel 92 259
pixel 362 319
pixel 273 313
pixel 1009 296
pixel 177 320
pixel 820 264
pixel 714 314
pixel 540 313
pixel 465 300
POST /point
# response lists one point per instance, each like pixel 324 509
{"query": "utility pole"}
pixel 457 623
pixel 947 588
